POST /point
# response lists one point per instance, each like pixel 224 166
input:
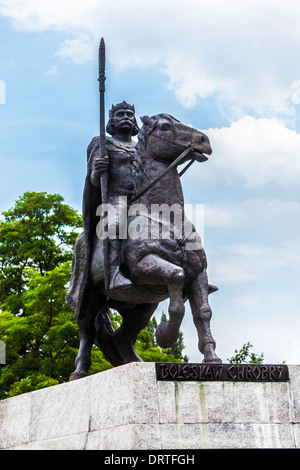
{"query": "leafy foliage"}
pixel 38 232
pixel 245 356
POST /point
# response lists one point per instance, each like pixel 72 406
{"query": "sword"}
pixel 103 177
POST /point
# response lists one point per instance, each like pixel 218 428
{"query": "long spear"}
pixel 102 146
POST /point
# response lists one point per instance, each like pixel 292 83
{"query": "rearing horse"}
pixel 159 267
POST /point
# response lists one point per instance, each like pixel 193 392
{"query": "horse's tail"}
pixel 104 336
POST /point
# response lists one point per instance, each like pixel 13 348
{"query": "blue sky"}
pixel 229 68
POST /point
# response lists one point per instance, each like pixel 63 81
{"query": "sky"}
pixel 231 69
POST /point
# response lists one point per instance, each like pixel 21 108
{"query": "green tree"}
pixel 41 345
pixel 39 232
pixel 37 237
pixel 245 356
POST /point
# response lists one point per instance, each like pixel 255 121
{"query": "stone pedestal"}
pixel 126 408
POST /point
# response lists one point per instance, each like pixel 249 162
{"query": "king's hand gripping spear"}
pixel 102 151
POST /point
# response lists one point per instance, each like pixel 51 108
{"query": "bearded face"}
pixel 122 120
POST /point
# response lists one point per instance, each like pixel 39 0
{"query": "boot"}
pixel 117 280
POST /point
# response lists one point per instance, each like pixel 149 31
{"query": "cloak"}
pixel 77 293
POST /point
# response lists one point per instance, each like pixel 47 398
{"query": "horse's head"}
pixel 167 138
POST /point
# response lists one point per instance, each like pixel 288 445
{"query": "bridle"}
pixel 166 170
pixel 173 164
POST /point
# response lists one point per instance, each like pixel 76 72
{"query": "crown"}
pixel 122 105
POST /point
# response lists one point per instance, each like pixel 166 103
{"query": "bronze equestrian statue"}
pixel 137 247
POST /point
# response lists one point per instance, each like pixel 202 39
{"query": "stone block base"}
pixel 126 408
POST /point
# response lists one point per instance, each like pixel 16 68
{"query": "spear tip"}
pixel 102 59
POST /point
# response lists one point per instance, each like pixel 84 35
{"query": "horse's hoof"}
pixel 164 337
pixel 77 375
pixel 210 356
pixel 215 360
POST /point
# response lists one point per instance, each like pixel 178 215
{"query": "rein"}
pixel 163 173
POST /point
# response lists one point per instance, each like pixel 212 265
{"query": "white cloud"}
pixel 38 15
pixel 272 217
pixel 77 50
pixel 257 151
pixel 251 261
pixel 52 71
pixel 261 319
pixel 245 53
pixel 218 216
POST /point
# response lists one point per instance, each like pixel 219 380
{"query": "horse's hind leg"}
pixel 198 297
pixel 135 319
pixel 152 270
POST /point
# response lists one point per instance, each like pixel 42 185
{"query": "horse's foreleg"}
pixel 153 269
pixel 198 297
pixel 87 334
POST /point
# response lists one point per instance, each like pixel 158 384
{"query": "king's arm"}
pixel 97 164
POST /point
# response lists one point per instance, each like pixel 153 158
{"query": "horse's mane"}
pixel 139 174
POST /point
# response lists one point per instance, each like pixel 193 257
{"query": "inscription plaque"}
pixel 222 372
